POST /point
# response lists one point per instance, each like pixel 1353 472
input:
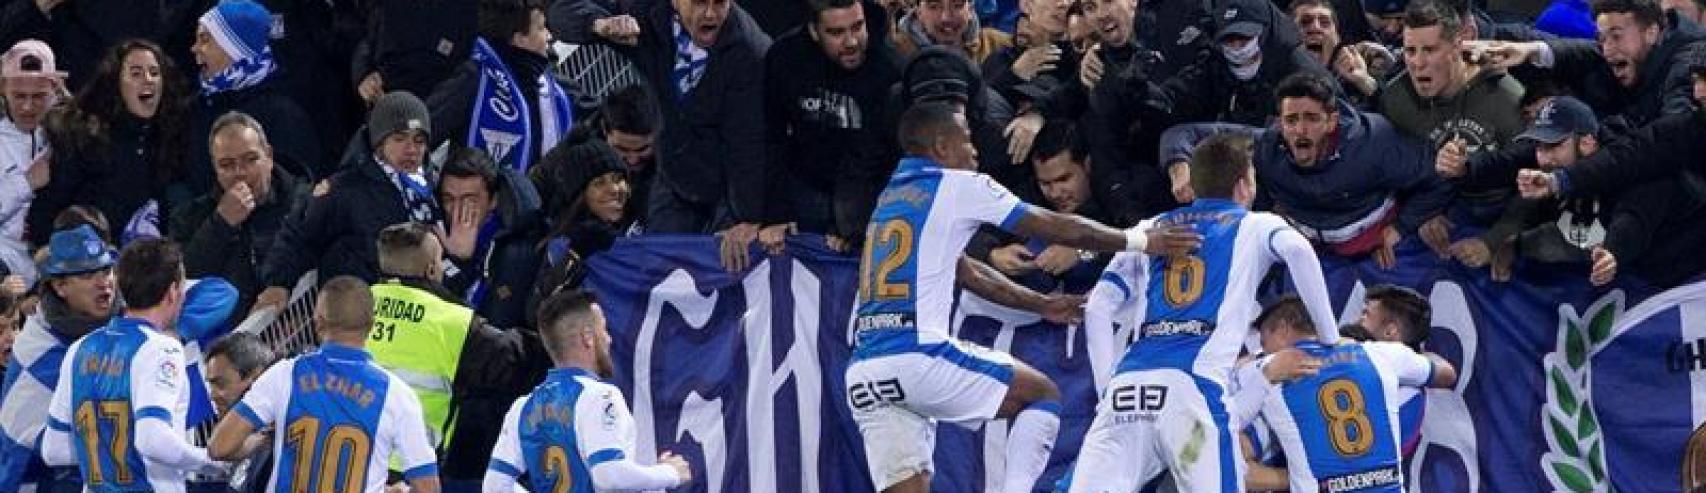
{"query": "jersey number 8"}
pixel 898 235
pixel 346 442
pixel 1348 427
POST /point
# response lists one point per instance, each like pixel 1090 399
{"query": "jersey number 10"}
pixel 346 442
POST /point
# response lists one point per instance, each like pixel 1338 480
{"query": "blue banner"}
pixel 1561 387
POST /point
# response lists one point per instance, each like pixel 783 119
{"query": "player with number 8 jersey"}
pixel 1167 407
pixel 336 416
pixel 906 371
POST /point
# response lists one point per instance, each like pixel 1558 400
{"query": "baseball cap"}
pixel 1561 118
pixel 1240 21
pixel 29 58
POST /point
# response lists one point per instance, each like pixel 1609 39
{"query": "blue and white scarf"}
pixel 251 55
pixel 242 74
pixel 501 124
pixel 690 62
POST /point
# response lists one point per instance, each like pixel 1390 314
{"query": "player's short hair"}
pixel 562 314
pixel 1058 137
pixel 924 123
pixel 1218 163
pixel 1429 13
pixel 631 110
pixel 346 302
pixel 1288 310
pixel 148 269
pixel 402 249
pixel 1356 332
pixel 1410 308
pixel 246 352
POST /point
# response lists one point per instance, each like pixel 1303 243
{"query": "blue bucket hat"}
pixel 77 250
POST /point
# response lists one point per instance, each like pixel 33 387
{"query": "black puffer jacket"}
pixel 236 253
pixel 117 179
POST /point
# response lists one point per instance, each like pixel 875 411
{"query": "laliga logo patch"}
pixel 167 377
pixel 609 415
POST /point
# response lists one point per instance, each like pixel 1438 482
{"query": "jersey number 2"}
pixel 1348 427
pixel 893 232
pixel 346 442
pixel 557 466
pixel 1182 283
pixel 89 416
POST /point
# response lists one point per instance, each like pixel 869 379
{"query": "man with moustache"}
pixel 827 98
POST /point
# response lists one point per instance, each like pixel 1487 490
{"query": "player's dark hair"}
pixel 346 302
pixel 147 270
pixel 1307 84
pixel 402 251
pixel 1218 163
pixel 631 110
pixel 500 19
pixel 1060 136
pixel 246 352
pixel 924 123
pixel 1429 13
pixel 1646 12
pixel 1410 308
pixel 1287 310
pixel 562 313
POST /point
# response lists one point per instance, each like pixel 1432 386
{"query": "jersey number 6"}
pixel 1183 280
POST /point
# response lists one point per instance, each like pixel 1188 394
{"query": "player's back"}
pixel 343 418
pixel 1197 308
pixel 1339 428
pixel 923 219
pixel 106 403
pixel 552 448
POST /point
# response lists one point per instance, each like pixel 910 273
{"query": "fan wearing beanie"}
pixel 237 72
pixel 390 184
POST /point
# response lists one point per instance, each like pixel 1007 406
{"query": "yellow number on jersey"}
pixel 894 232
pixel 89 416
pixel 557 466
pixel 347 442
pixel 1182 283
pixel 1347 414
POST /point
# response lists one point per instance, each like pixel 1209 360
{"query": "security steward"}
pixel 465 372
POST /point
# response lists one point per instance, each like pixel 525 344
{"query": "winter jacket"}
pixel 21 20
pixel 980 42
pixel 289 131
pixel 1179 32
pixel 1664 88
pixel 711 149
pixel 116 180
pixel 1668 148
pixel 1056 93
pixel 1369 163
pixel 1487 115
pixel 1132 188
pixel 823 127
pixel 314 42
pixel 335 232
pixel 504 266
pixel 18 151
pixel 415 44
pixel 236 252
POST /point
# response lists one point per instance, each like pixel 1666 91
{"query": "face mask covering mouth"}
pixel 1245 60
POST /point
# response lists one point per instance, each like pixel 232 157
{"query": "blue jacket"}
pixel 1372 161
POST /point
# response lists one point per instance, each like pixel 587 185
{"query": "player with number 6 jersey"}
pixel 118 411
pixel 1166 407
pixel 906 371
pixel 336 417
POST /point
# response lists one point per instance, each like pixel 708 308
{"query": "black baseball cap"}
pixel 1561 118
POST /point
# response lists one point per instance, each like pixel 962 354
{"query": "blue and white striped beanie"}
pixel 241 27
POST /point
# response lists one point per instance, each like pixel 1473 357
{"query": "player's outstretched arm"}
pixel 1305 269
pixel 992 285
pixel 1444 374
pixel 1077 232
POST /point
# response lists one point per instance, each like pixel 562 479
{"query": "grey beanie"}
pixel 396 111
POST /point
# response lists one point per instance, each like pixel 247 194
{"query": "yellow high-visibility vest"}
pixel 418 337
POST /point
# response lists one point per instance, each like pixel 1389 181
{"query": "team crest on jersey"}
pixel 167 377
pixel 609 413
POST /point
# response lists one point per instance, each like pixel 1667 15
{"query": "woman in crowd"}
pixel 117 145
pixel 592 189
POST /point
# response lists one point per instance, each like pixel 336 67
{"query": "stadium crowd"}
pixel 442 151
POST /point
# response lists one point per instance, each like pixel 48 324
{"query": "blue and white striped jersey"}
pixel 114 379
pixel 562 432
